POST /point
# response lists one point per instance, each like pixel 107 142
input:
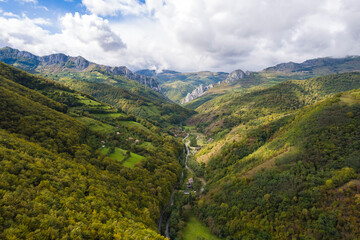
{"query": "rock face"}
pixel 235 76
pixel 197 92
pixel 29 61
pixel 145 80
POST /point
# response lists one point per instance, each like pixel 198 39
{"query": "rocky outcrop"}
pixel 28 61
pixel 197 92
pixel 235 76
pixel 145 80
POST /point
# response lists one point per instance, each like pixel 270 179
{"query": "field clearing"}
pixel 196 230
pixel 120 154
pixel 97 126
pixel 110 115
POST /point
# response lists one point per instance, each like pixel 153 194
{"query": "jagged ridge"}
pixel 30 62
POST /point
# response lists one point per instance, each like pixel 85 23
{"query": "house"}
pixel 186 192
pixel 117 133
pixel 189 183
pixel 130 138
pixel 136 141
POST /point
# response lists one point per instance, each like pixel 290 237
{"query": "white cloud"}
pixel 87 35
pixel 113 7
pixel 224 35
pixel 10 14
pixel 29 1
pixel 90 29
pixel 190 35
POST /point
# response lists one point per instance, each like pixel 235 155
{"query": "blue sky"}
pixel 41 8
pixel 186 35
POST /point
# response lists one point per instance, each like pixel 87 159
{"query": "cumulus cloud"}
pixel 9 14
pixel 190 35
pixel 22 32
pixel 90 29
pixel 87 35
pixel 224 35
pixel 112 7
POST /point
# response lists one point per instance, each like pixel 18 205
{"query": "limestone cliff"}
pixel 58 62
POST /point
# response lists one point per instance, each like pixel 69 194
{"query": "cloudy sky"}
pixel 184 35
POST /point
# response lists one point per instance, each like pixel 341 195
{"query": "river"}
pixel 187 149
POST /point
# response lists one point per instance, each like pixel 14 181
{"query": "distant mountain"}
pixel 233 108
pixel 243 82
pixel 147 72
pixel 152 73
pixel 319 66
pixel 197 92
pixel 107 84
pixel 60 62
pixel 235 76
pixel 176 85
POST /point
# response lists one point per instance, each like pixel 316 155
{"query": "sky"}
pixel 184 35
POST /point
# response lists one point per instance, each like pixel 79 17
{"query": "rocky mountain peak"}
pixel 235 76
pixel 59 61
pixel 58 58
pixel 124 71
pixel 197 92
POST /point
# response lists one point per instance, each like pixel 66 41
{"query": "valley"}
pixel 91 152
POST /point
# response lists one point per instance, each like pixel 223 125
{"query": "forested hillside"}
pixel 276 163
pixel 73 167
pixel 148 106
pixel 295 177
pixel 109 85
pixel 176 85
pixel 252 81
pixel 284 162
pixel 233 109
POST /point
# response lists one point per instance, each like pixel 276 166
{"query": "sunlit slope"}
pixel 54 181
pixel 292 177
pixel 233 109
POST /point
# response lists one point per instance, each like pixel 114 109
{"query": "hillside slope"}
pixel 250 81
pixel 233 109
pixel 65 65
pixel 176 85
pixel 56 184
pixel 109 85
pixel 150 106
pixel 295 177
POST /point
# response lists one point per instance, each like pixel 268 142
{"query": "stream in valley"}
pixel 187 149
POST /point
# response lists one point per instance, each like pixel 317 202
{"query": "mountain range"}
pixel 89 151
pixel 55 63
pixel 186 87
pixel 113 85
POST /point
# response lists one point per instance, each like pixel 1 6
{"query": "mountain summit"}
pixel 60 62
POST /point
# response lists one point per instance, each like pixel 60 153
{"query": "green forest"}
pixel 55 181
pixel 91 155
pixel 288 166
